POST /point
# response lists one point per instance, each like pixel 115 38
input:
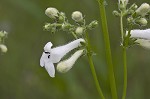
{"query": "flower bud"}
pixel 125 2
pixel 116 13
pixel 3 33
pixel 3 48
pixel 62 17
pixel 133 7
pixel 77 16
pixel 93 24
pixel 52 12
pixel 66 65
pixel 130 20
pixel 122 4
pixel 142 21
pixel 66 26
pixel 47 26
pixel 143 9
pixel 79 30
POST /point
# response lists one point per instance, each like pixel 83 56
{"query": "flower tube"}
pixel 66 65
pixel 142 36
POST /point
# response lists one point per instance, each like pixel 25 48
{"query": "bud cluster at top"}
pixel 135 15
pixel 60 22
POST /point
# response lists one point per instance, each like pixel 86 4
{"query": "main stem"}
pixel 125 74
pixel 108 49
pixel 124 59
pixel 93 68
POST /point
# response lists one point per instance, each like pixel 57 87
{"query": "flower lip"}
pixel 47 47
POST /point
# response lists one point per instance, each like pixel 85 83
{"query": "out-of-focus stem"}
pixel 108 49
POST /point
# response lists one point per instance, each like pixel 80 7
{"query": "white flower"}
pixel 52 12
pixel 79 30
pixel 66 65
pixel 54 55
pixel 143 9
pixel 142 36
pixel 77 16
pixel 3 48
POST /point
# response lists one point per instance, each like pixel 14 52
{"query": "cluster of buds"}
pixel 78 30
pixel 3 47
pixel 135 16
pixel 61 23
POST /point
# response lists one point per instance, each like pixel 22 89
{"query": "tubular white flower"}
pixel 66 65
pixel 3 48
pixel 142 36
pixel 59 52
pixel 54 55
pixel 52 12
pixel 77 16
pixel 143 9
pixel 144 43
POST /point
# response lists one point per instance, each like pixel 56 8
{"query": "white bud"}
pixel 3 33
pixel 77 16
pixel 3 48
pixel 79 30
pixel 52 12
pixel 142 22
pixel 143 9
pixel 66 65
pixel 123 1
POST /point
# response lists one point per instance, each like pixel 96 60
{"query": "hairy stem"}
pixel 93 68
pixel 108 49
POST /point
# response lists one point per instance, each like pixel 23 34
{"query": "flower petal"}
pixel 43 57
pixel 49 66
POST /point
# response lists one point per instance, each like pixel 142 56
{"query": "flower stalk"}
pixel 93 68
pixel 108 49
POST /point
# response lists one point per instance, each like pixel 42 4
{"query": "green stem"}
pixel 74 35
pixel 93 68
pixel 108 50
pixel 125 73
pixel 124 58
pixel 121 26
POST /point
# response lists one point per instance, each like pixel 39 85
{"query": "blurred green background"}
pixel 21 76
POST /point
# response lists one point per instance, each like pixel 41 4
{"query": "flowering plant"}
pixel 133 15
